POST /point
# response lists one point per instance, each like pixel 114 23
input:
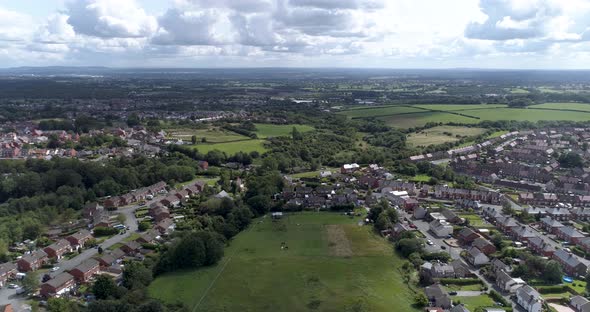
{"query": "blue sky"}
pixel 300 33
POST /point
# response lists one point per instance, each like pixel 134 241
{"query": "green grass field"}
pixel 459 107
pixel 270 130
pixel 472 303
pixel 213 135
pixel 332 264
pixel 420 119
pixel 379 111
pixel 522 114
pixel 573 106
pixel 231 148
pixel 437 135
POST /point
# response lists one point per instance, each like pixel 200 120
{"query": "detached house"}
pixel 507 283
pixel 58 249
pixel 484 245
pixel 441 228
pixel 476 257
pixel 8 271
pixel 580 304
pixel 58 285
pixel 85 270
pixel 77 240
pixel 32 261
pixel 529 299
pixel 438 296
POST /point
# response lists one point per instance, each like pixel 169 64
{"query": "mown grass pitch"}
pixel 438 135
pixel 271 130
pixel 331 264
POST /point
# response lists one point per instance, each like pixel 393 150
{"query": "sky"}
pixel 523 34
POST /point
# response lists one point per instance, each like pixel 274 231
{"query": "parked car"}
pixel 453 293
pixel 54 269
pixel 12 286
pixel 429 242
pixel 443 247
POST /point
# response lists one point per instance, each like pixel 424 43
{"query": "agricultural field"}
pixel 379 111
pixel 571 106
pixel 420 119
pixel 523 114
pixel 230 148
pixel 270 130
pixel 441 134
pixel 331 264
pixel 212 135
pixel 459 107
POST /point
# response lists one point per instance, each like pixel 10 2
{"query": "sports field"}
pixel 442 134
pixel 270 130
pixel 230 148
pixel 331 264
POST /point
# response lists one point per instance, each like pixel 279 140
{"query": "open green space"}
pixel 572 106
pixel 459 107
pixel 212 135
pixel 523 114
pixel 442 134
pixel 519 91
pixel 331 264
pixel 231 148
pixel 475 220
pixel 472 302
pixel 271 130
pixel 420 119
pixel 379 111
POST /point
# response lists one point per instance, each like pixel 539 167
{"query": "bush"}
pixel 460 281
pixel 553 289
pixel 497 297
pixel 105 231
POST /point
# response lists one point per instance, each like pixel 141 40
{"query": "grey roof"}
pixel 60 279
pixel 528 294
pixel 550 222
pixel 7 267
pixel 570 231
pixel 459 308
pixel 568 258
pixel 86 265
pixel 34 256
pixel 578 301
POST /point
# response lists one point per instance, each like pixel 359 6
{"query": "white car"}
pixel 13 286
pixel 429 242
pixel 54 269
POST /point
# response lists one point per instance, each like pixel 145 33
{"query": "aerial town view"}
pixel 295 155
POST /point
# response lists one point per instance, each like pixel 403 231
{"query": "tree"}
pixel 507 208
pixel 407 246
pixel 104 288
pixel 135 275
pixel 421 300
pixel 194 139
pixel 571 160
pixel 61 305
pixel 296 135
pixel 553 272
pixel 31 282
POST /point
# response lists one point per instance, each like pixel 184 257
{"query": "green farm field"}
pixel 459 107
pixel 270 130
pixel 332 264
pixel 230 148
pixel 523 114
pixel 420 119
pixel 437 135
pixel 572 106
pixel 212 135
pixel 379 111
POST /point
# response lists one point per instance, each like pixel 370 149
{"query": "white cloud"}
pixel 110 18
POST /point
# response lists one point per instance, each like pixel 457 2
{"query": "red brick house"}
pixel 130 247
pixel 32 261
pixel 58 249
pixel 58 285
pixel 570 234
pixel 8 271
pixel 77 240
pixel 85 270
pixel 484 246
pixel 467 236
pixel 112 203
pixel 540 247
pixel 165 226
pixel 550 225
pixel 160 213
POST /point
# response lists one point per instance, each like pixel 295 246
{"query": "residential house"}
pixel 78 239
pixel 149 237
pixel 420 213
pixel 484 246
pixel 112 203
pixel 529 299
pixel 430 271
pixel 451 216
pixel 569 234
pixel 6 308
pixel 441 228
pixel 91 209
pixel 131 247
pixel 476 257
pixel 112 258
pixel 57 286
pixel 58 249
pixel 467 236
pixel 506 224
pixel 459 308
pixel 580 304
pixel 170 201
pixel 523 233
pixel 550 225
pixel 32 261
pixel 8 271
pixel 159 213
pixel 539 246
pixel 571 263
pixel 499 266
pixel 581 214
pixel 559 214
pixel 507 283
pixel 165 226
pixel 438 296
pixel 85 270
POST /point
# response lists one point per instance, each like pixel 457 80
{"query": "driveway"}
pixel 561 308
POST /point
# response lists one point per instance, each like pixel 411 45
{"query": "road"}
pixel 19 302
